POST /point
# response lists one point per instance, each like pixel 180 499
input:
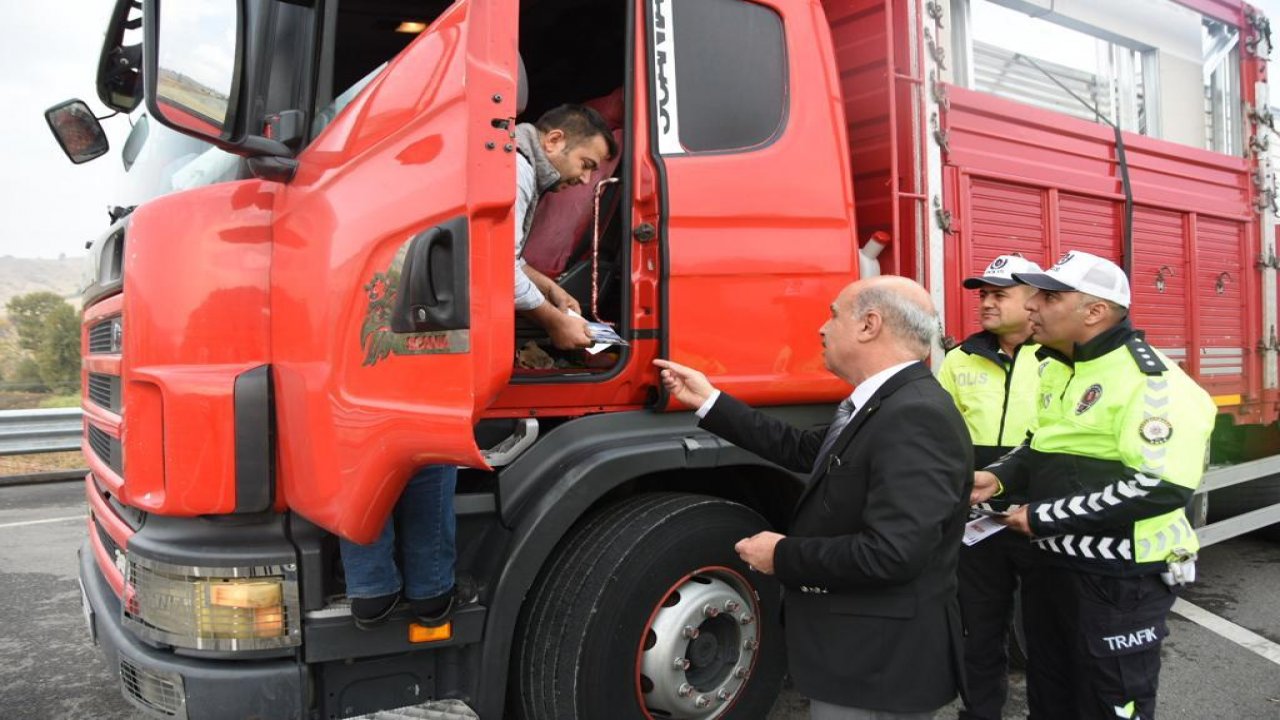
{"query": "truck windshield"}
pixel 159 161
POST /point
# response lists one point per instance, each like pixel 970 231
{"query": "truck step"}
pixel 434 710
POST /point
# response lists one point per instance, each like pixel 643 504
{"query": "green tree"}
pixel 29 314
pixel 26 377
pixel 58 351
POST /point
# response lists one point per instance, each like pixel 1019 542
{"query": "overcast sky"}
pixel 49 52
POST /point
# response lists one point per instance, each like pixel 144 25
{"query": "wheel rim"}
pixel 699 647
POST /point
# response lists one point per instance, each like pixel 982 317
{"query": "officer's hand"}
pixel 1017 520
pixel 985 485
pixel 684 383
pixel 757 551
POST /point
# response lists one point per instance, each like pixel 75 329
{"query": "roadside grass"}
pixel 43 462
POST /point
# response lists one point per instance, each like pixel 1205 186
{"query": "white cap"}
pixel 1000 272
pixel 1081 272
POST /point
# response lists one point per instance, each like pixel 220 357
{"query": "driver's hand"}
pixel 563 301
pixel 570 332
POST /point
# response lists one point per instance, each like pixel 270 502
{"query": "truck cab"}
pixel 281 350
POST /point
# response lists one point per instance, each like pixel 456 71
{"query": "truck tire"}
pixel 644 612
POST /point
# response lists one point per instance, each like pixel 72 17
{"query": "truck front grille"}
pixel 106 448
pixel 104 391
pixel 153 690
pixel 105 335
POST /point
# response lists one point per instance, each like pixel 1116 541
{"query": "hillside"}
pixel 19 276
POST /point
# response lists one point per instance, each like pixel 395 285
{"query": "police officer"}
pixel 1119 450
pixel 994 378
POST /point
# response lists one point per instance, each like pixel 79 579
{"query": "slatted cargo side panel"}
pixel 1220 300
pixel 1160 284
pixel 878 55
pixel 1193 222
pixel 1090 224
pixel 859 35
pixel 1003 218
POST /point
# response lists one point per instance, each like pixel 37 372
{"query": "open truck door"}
pixel 394 226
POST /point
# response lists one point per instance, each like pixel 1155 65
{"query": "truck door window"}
pixel 721 75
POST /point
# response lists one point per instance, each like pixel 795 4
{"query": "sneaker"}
pixel 373 611
pixel 434 611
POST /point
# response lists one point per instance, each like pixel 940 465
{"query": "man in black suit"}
pixel 869 567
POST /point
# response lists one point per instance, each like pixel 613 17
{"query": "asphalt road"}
pixel 49 670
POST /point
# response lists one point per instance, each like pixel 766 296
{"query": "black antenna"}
pixel 1126 249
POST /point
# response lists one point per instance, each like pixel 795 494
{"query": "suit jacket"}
pixel 869 565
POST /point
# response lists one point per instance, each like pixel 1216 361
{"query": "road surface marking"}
pixel 1243 637
pixel 42 522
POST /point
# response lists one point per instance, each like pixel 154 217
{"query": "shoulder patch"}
pixel 1156 430
pixel 1145 356
pixel 1090 397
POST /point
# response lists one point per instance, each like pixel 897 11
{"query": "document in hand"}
pixel 603 334
pixel 604 337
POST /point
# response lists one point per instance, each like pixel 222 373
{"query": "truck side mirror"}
pixel 77 131
pixel 193 63
pixel 120 62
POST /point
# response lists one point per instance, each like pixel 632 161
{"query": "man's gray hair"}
pixel 917 327
pixel 1118 311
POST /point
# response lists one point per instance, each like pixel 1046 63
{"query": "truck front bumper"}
pixel 167 685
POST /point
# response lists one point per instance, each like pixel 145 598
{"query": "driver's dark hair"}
pixel 579 123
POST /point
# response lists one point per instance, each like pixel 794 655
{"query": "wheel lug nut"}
pixel 710 610
pixel 690 632
pixel 685 690
pixel 723 695
pixel 750 645
pixel 740 673
pixel 731 606
pixel 682 663
pixel 702 701
pixel 746 620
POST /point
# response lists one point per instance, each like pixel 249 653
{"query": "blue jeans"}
pixel 424 514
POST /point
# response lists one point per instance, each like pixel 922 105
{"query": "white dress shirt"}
pixel 859 397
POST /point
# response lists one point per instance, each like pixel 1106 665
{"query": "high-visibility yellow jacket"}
pixel 998 395
pixel 1120 449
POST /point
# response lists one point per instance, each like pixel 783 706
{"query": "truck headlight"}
pixel 212 608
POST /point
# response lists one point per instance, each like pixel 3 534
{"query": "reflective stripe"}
pixel 1109 496
pixel 1130 489
pixel 1157 543
pixel 1042 512
pixel 1104 548
pixel 1091 547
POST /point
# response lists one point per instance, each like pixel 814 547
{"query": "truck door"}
pixel 392 314
pixel 748 133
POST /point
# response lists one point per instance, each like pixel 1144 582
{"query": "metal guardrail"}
pixel 27 432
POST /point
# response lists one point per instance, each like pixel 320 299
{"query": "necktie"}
pixel 844 414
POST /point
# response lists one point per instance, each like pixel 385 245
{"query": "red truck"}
pixel 267 359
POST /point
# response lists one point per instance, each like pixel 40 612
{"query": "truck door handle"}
pixel 434 291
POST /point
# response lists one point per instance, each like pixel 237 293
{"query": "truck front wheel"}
pixel 645 611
